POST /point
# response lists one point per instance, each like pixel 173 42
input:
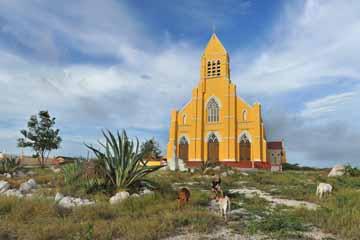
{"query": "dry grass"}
pixel 157 216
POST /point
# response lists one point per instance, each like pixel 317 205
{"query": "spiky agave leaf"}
pixel 121 160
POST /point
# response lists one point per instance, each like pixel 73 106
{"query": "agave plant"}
pixel 9 164
pixel 122 162
pixel 205 166
pixel 72 172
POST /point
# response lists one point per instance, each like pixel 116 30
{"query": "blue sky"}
pixel 126 64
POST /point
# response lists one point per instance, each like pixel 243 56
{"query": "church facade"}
pixel 216 125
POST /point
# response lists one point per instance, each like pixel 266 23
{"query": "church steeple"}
pixel 214 46
pixel 215 60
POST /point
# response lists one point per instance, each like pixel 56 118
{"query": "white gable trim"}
pixel 185 136
pixel 217 134
pixel 246 133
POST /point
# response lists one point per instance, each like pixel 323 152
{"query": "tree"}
pixel 150 149
pixel 41 136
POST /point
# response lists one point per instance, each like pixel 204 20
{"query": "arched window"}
pixel 213 148
pixel 183 149
pixel 244 115
pixel 245 148
pixel 213 111
pixel 184 119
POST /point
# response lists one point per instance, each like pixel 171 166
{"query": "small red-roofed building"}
pixel 276 154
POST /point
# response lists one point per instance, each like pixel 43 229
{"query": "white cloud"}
pixel 328 104
pixel 310 46
pixel 315 44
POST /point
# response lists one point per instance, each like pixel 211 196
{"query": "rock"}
pixel 135 195
pixel 337 171
pixel 217 168
pixel 4 186
pixel 31 173
pixel 231 172
pixel 66 202
pixel 171 164
pixel 20 174
pixel 146 191
pixel 182 166
pixel 13 193
pixel 244 174
pixel 7 175
pixel 119 197
pixel 58 197
pixel 69 202
pixel 26 187
pixel 224 174
pixel 55 170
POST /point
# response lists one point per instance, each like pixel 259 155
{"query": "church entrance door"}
pixel 184 149
pixel 213 149
pixel 245 149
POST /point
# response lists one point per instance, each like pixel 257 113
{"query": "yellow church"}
pixel 216 125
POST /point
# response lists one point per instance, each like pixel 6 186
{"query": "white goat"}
pixel 322 189
pixel 224 205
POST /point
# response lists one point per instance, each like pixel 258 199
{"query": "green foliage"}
pixel 150 149
pixel 296 167
pixel 352 171
pixel 205 166
pixel 121 161
pixel 72 172
pixel 9 164
pixel 77 177
pixel 41 136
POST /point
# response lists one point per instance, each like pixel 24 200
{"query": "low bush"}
pixel 352 171
pixel 9 164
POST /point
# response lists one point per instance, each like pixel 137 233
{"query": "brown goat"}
pixel 183 197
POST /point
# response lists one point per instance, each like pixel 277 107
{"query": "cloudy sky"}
pixel 126 64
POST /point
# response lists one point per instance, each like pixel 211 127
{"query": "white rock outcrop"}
pixel 55 170
pixel 4 186
pixel 244 173
pixel 27 186
pixel 146 191
pixel 119 197
pixel 69 202
pixel 20 174
pixel 58 197
pixel 7 175
pixel 337 171
pixel 182 166
pixel 224 174
pixel 13 193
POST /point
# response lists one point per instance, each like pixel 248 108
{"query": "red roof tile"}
pixel 274 145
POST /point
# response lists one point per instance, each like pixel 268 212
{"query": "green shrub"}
pixel 9 164
pixel 352 171
pixel 121 162
pixel 297 167
pixel 72 172
pixel 78 177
